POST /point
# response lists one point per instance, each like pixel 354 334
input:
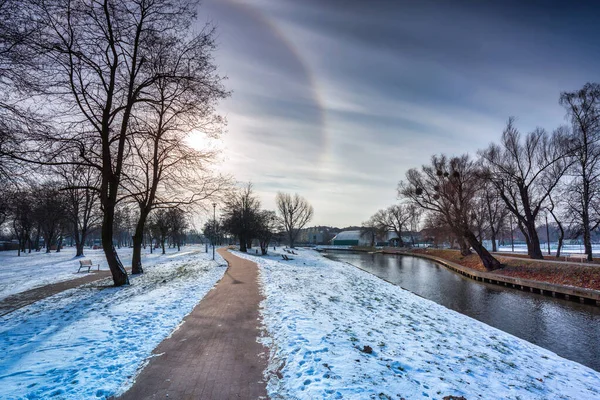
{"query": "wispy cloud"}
pixel 336 100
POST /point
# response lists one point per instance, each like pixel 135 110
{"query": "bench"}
pixel 580 257
pixel 286 258
pixel 86 264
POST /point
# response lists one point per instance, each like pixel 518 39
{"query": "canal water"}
pixel 569 329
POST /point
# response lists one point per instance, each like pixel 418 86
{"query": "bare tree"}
pixel 240 215
pixel 295 212
pixel 21 211
pixel 161 227
pixel 524 173
pixel 395 218
pixel 583 110
pixel 50 213
pixel 268 226
pixel 495 213
pixel 79 184
pixel 450 187
pixel 93 60
pixel 165 170
pixel 372 230
pixel 177 226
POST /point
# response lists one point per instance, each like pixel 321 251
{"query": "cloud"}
pixel 336 100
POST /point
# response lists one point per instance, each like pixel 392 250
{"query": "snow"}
pixel 319 314
pixel 31 270
pixel 566 249
pixel 90 342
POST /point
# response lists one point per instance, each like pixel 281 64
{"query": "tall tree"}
pixel 395 218
pixel 240 215
pixel 372 229
pixel 268 225
pixel 166 171
pixel 50 213
pixel 295 212
pixel 93 61
pixel 22 215
pixel 450 188
pixel 583 110
pixel 79 184
pixel 524 172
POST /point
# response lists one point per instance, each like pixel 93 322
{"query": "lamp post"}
pixel 214 227
pixel 512 238
pixel 547 233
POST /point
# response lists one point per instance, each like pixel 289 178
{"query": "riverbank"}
pixel 563 274
pixel 337 331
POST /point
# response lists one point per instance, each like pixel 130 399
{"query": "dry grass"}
pixel 584 276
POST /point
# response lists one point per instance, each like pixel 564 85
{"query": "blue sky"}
pixel 335 100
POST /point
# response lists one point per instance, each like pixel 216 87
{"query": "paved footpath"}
pixel 18 300
pixel 214 354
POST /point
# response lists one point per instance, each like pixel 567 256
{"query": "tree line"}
pixel 518 179
pixel 244 219
pixel 104 95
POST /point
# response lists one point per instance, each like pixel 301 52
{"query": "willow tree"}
pixel 450 187
pixel 525 171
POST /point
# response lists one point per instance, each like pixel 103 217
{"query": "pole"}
pixel 512 239
pixel 214 227
pixel 547 233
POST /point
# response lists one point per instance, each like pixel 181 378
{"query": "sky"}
pixel 336 100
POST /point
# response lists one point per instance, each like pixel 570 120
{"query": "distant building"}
pixel 350 238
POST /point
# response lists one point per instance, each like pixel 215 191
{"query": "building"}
pixel 350 238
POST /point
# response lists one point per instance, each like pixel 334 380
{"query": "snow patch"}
pixel 320 315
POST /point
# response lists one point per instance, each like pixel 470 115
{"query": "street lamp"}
pixel 214 227
pixel 547 233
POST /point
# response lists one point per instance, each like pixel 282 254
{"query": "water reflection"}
pixel 571 330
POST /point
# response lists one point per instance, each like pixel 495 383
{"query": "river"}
pixel 569 329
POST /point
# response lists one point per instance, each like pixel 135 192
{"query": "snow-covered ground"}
pixel 28 271
pixel 566 249
pixel 89 342
pixel 320 315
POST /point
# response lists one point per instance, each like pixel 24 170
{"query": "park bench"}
pixel 86 264
pixel 286 258
pixel 579 257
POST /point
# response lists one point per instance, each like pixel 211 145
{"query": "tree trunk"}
pixel 49 244
pixel 119 274
pixel 162 244
pixel 79 247
pixel 138 238
pixel 535 250
pixel 243 247
pixel 493 237
pixel 489 262
pixel 59 243
pixel 587 240
pixel 464 246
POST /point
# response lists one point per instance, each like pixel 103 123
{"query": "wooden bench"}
pixel 86 264
pixel 286 258
pixel 580 257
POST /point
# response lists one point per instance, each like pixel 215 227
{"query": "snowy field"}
pixel 19 274
pixel 321 315
pixel 89 342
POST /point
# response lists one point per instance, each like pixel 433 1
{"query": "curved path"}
pixel 214 353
